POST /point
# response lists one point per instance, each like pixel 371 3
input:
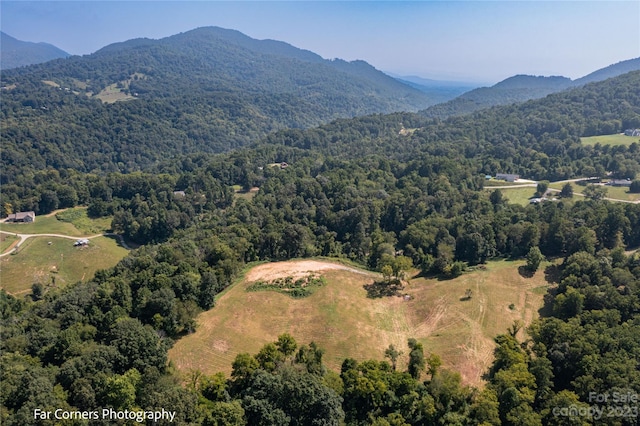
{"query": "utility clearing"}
pixel 345 322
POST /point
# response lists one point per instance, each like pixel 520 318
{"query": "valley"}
pixel 246 233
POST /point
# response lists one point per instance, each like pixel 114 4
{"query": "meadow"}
pixel 617 139
pixel 344 321
pixel 517 195
pixel 55 261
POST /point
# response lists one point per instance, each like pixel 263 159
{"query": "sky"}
pixel 473 41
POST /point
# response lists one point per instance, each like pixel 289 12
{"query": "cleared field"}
pixel 7 241
pixel 517 195
pixel 74 222
pixel 617 139
pixel 346 323
pixel 58 263
pixel 43 225
pixel 613 192
pixel 88 226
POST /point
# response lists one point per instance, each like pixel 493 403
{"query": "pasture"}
pixel 346 323
pixel 516 195
pixel 617 139
pixel 58 263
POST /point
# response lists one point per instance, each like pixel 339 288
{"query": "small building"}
pixel 620 182
pixel 632 132
pixel 22 217
pixel 508 177
pixel 82 242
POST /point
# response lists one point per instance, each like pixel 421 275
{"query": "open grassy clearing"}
pixel 343 321
pixel 37 261
pixel 517 195
pixel 73 222
pixel 617 139
pixel 83 223
pixel 42 225
pixel 7 241
pixel 613 192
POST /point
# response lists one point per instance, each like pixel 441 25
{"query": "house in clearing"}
pixel 632 132
pixel 22 217
pixel 508 177
pixel 619 182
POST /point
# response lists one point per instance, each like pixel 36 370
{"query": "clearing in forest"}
pixel 346 323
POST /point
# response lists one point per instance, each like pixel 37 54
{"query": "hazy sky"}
pixel 481 41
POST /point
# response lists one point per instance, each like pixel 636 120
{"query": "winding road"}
pixel 24 237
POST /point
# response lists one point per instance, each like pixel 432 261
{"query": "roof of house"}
pixel 22 215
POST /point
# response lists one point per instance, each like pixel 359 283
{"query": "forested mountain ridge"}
pixel 522 88
pixel 538 139
pixel 17 53
pixel 208 90
pixel 379 190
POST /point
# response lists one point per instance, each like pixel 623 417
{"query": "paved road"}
pixel 24 237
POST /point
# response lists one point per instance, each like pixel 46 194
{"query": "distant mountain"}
pixel 437 90
pixel 210 89
pixel 16 53
pixel 521 88
pixel 614 70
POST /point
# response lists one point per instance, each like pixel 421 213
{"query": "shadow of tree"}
pixel 552 274
pixel 378 289
pixel 547 308
pixel 525 272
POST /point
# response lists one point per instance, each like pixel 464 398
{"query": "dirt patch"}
pixel 295 269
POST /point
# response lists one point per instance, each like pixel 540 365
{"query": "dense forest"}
pixel 378 190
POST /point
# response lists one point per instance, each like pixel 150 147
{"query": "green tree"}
pixel 595 192
pixel 534 258
pixel 393 354
pixel 542 188
pixel 416 358
pixel 567 191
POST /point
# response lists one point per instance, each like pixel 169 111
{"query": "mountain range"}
pixel 132 104
pixel 16 53
pixel 521 88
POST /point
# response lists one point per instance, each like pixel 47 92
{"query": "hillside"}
pixel 207 90
pixel 17 53
pixel 343 320
pixel 514 137
pixel 522 88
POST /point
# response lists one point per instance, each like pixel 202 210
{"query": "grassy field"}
pixel 617 139
pixel 58 263
pixel 6 241
pixel 75 223
pixel 613 192
pixel 42 225
pixel 517 195
pixel 83 223
pixel 346 323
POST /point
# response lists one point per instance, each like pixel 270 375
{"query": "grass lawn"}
pixel 346 323
pixel 42 225
pixel 58 263
pixel 614 192
pixel 75 222
pixel 621 193
pixel 517 195
pixel 6 241
pixel 617 139
pixel 88 226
